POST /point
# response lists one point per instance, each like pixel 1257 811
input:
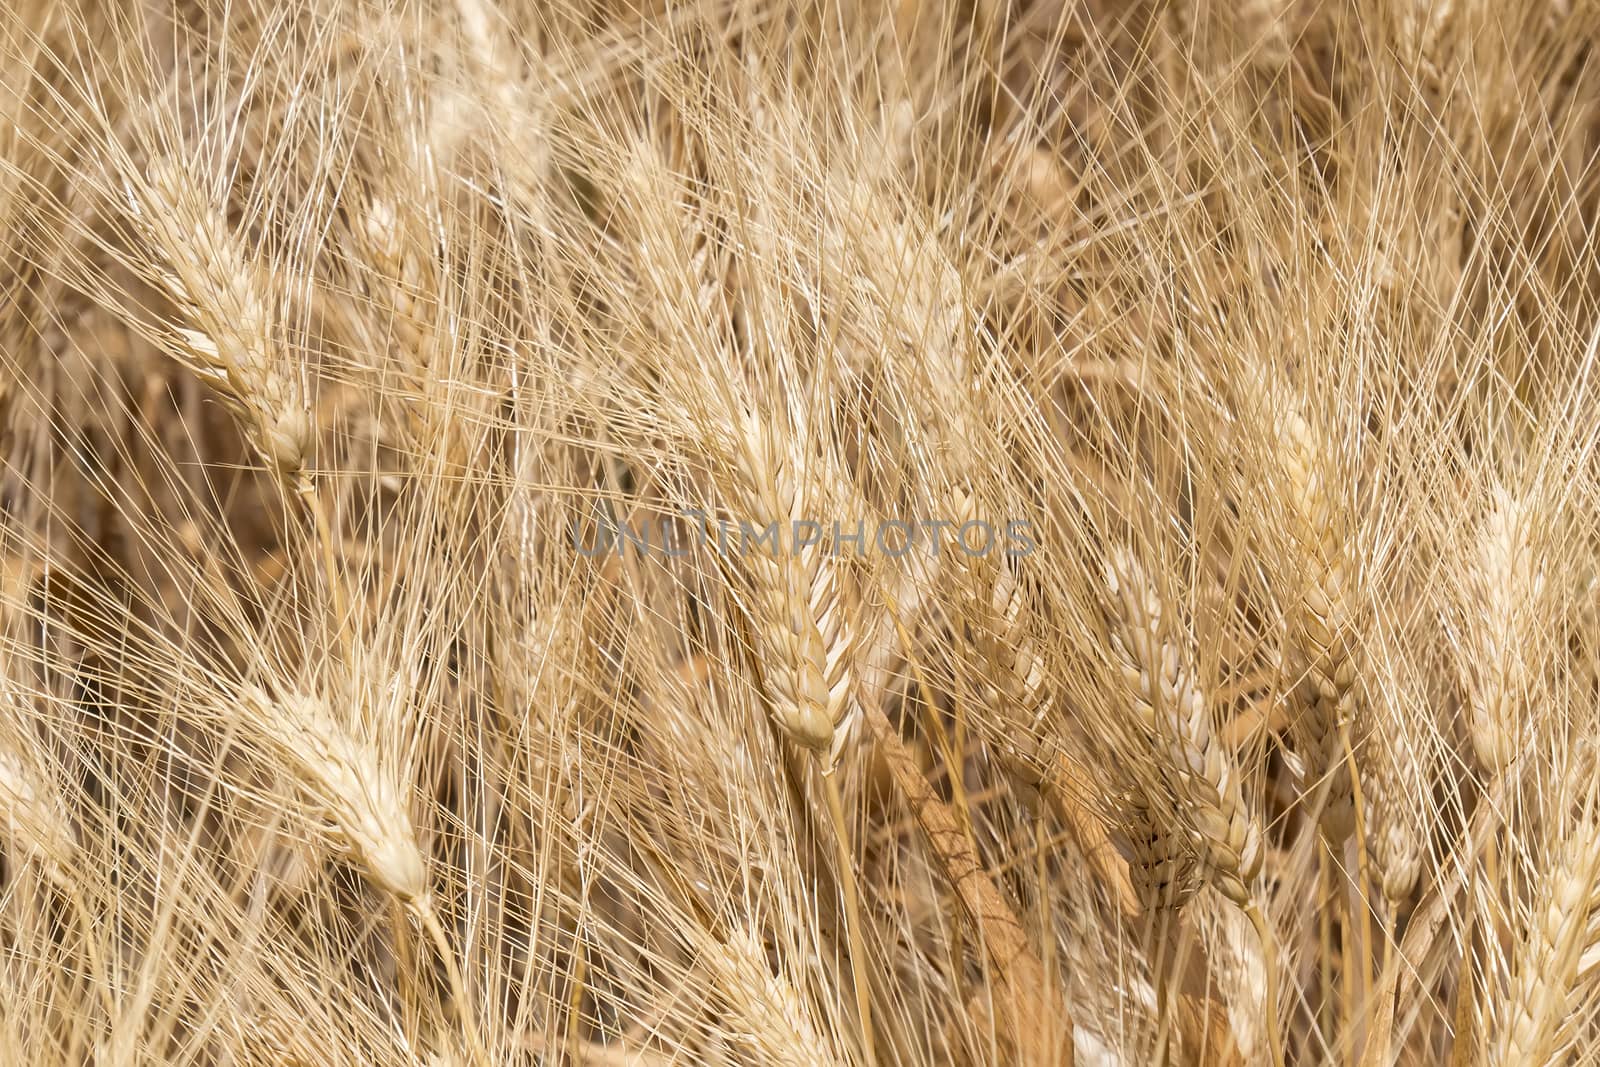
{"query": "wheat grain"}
pixel 398 265
pixel 365 806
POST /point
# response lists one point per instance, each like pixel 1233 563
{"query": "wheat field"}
pixel 740 532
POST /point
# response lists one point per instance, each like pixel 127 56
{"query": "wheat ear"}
pixel 1546 962
pixel 1161 865
pixel 345 782
pixel 1166 699
pixel 802 635
pixel 921 303
pixel 1164 695
pixel 36 822
pixel 769 1005
pixel 1015 688
pixel 804 643
pixel 405 273
pixel 1321 655
pixel 38 828
pixel 229 336
pixel 1394 824
pixel 1505 576
pixel 1018 697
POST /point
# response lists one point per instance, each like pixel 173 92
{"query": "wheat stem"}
pixel 333 575
pixel 852 912
pixel 1363 869
pixel 1269 958
pixel 422 908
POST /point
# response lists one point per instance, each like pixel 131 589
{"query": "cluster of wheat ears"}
pixel 341 339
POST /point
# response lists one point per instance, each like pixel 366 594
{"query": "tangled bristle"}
pixel 1034 531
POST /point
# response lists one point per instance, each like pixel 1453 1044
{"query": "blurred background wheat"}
pixel 380 381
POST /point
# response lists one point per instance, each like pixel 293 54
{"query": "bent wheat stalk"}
pixel 1040 1028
